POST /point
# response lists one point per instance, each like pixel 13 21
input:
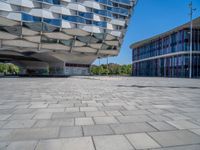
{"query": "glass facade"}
pixel 118 9
pixel 168 56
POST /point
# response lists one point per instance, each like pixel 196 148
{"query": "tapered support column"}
pixel 57 69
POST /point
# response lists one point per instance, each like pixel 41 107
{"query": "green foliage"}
pixel 111 69
pixel 9 68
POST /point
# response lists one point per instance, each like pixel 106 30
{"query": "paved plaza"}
pixel 99 113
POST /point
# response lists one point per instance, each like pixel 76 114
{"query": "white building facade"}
pixel 61 37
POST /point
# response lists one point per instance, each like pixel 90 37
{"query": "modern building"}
pixel 61 37
pixel 168 54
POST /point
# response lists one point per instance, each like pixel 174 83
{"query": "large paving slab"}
pixel 97 130
pixel 29 134
pixel 174 138
pixel 71 132
pixel 186 147
pixel 162 126
pixel 81 143
pixel 99 113
pixel 112 142
pixel 132 128
pixel 142 141
pixel 22 145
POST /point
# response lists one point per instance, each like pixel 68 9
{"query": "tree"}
pixel 9 68
pixel 111 69
pixel 3 68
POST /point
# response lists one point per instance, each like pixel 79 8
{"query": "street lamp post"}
pixel 99 64
pixel 191 25
pixel 107 65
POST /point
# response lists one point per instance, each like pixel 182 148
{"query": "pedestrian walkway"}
pixel 99 113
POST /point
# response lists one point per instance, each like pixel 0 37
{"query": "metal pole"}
pixel 99 65
pixel 99 61
pixel 107 65
pixel 191 25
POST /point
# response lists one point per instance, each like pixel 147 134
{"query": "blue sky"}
pixel 152 17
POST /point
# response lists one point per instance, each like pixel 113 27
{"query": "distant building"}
pixel 167 54
pixel 62 36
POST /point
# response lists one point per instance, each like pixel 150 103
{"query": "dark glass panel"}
pixel 55 22
pixel 30 18
pixel 45 39
pixel 66 42
pixel 16 30
pixel 36 26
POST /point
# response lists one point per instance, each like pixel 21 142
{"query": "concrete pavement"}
pixel 99 113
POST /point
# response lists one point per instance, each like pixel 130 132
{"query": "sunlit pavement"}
pixel 99 113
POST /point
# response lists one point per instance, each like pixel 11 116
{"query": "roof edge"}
pixel 139 43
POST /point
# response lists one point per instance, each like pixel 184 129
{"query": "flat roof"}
pixel 196 24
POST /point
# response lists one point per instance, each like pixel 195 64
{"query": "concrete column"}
pixel 57 69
